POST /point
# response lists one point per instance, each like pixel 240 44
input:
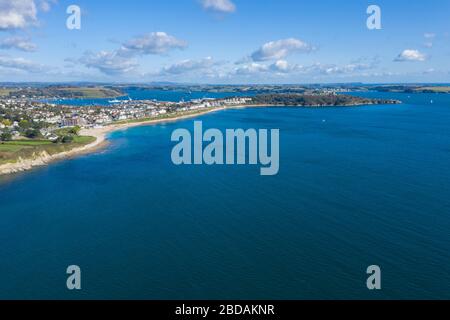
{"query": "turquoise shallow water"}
pixel 369 185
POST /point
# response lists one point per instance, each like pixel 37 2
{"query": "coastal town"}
pixel 34 132
pixel 22 118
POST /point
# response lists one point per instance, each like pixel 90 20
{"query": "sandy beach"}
pixel 101 140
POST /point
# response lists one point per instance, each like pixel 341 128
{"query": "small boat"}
pixel 114 101
pixel 431 101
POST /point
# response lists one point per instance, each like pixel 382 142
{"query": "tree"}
pixel 32 133
pixel 7 122
pixel 24 124
pixel 6 136
pixel 75 130
pixel 67 139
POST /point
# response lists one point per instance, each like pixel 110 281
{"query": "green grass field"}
pixel 4 92
pixel 79 92
pixel 11 151
pixel 93 93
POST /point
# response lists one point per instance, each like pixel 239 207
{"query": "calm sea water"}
pixel 357 186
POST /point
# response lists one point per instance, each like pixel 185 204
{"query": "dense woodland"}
pixel 305 100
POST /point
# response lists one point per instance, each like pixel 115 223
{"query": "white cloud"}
pixel 410 55
pixel 122 61
pixel 186 66
pixel 351 68
pixel 251 69
pixel 283 68
pixel 279 67
pixel 226 6
pixel 152 43
pixel 19 43
pixel 19 14
pixel 276 50
pixel 108 62
pixel 21 64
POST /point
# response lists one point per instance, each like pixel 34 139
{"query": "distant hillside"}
pixel 61 92
pixel 325 100
pixel 414 88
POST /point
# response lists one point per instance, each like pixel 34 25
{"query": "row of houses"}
pixel 59 116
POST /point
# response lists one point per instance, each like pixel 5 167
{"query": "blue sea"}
pixel 357 186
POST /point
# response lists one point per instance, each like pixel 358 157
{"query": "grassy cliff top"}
pixel 11 151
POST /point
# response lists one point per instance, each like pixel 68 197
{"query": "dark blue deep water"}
pixel 357 187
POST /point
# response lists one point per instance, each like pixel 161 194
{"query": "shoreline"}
pixel 101 138
pixel 100 135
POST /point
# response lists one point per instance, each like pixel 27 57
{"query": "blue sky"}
pixel 225 41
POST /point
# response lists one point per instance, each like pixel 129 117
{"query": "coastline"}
pixel 100 135
pixel 101 138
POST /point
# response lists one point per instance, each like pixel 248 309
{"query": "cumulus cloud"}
pixel 281 66
pixel 332 69
pixel 284 68
pixel 19 14
pixel 20 64
pixel 152 43
pixel 276 50
pixel 108 62
pixel 254 68
pixel 225 6
pixel 123 60
pixel 410 55
pixel 189 65
pixel 251 69
pixel 19 43
pixel 278 68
